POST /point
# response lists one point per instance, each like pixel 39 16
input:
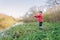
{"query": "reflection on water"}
pixel 17 23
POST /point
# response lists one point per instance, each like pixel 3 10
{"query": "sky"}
pixel 18 8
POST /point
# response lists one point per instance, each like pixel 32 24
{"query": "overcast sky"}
pixel 17 8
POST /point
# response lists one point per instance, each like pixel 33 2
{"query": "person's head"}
pixel 40 11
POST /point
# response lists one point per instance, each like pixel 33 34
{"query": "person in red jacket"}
pixel 40 19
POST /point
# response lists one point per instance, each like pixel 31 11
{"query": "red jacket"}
pixel 39 17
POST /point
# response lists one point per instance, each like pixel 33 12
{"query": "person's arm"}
pixel 37 16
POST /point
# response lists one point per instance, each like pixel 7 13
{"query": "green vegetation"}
pixel 31 31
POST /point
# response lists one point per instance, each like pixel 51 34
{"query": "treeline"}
pixel 51 15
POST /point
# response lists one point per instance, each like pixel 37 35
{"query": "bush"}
pixel 52 15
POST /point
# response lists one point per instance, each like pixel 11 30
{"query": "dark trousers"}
pixel 40 23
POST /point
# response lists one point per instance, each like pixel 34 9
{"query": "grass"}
pixel 30 31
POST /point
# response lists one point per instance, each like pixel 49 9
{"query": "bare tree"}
pixel 53 10
pixel 52 3
pixel 29 16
